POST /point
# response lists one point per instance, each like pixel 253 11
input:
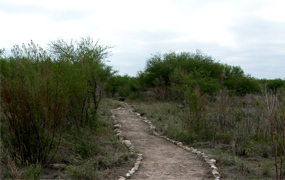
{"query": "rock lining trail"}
pixel 161 159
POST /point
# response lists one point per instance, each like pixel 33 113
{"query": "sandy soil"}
pixel 162 159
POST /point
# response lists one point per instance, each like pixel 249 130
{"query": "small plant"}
pixel 266 170
pixel 84 148
pixel 32 171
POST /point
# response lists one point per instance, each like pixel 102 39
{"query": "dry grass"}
pixel 239 140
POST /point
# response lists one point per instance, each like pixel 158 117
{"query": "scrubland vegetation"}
pixel 237 119
pixel 55 112
pixel 51 122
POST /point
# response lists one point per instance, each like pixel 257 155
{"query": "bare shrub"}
pixel 273 104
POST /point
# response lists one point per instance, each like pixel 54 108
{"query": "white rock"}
pixel 155 133
pixel 128 175
pixel 121 178
pixel 212 162
pixel 214 167
pixel 117 130
pixel 206 159
pixel 215 173
pixel 152 127
pixel 119 134
pixel 136 167
pixel 132 171
pixel 180 144
pixel 127 143
pixel 117 126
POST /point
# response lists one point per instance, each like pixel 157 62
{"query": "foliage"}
pixel 85 72
pixel 33 104
pixel 273 84
pixel 122 85
pixel 182 72
pixel 42 94
pixel 94 153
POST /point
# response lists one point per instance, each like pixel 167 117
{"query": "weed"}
pixel 84 148
pixel 32 171
pixel 266 170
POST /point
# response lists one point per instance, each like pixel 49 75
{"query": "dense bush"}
pixel 125 86
pixel 273 84
pixel 42 93
pixel 172 74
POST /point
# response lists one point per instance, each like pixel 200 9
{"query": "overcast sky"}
pixel 246 33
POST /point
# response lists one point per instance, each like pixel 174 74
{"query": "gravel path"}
pixel 162 159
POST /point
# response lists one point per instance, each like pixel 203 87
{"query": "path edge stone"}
pixel 118 131
pixel 203 156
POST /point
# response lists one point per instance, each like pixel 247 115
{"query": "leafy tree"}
pixel 275 84
pixel 185 69
pixel 247 85
pixel 175 70
pixel 86 77
pixel 122 85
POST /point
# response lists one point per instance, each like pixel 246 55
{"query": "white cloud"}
pixel 245 33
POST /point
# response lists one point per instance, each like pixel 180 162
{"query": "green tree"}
pixel 185 69
pixel 86 74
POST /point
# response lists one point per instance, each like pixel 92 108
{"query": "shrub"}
pixel 33 105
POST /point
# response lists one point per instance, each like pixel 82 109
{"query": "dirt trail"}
pixel 162 159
